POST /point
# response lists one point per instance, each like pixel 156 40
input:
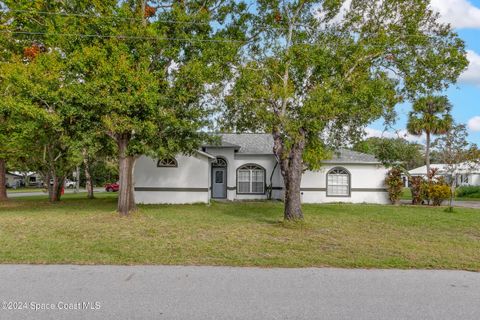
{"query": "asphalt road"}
pixel 162 292
pixel 40 193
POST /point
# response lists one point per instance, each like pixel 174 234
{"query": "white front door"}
pixel 219 183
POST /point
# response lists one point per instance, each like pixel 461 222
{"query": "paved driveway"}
pixel 464 204
pixel 467 204
pixel 162 292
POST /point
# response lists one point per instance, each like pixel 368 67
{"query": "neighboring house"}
pixel 13 180
pixel 243 167
pixel 30 179
pixel 466 175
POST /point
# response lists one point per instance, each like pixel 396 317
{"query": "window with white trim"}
pixel 338 183
pixel 251 179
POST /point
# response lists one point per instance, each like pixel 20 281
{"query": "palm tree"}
pixel 430 115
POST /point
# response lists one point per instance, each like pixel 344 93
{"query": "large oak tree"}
pixel 317 72
pixel 140 72
pixel 148 83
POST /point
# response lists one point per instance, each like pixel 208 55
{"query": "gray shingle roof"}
pixel 250 143
pixel 261 143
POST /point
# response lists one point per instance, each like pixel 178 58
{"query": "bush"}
pixel 468 192
pixel 417 187
pixel 438 192
pixel 434 190
pixel 394 184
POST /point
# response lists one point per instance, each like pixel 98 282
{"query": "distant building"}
pixel 466 176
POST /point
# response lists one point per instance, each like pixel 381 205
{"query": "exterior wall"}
pixel 13 180
pixel 474 179
pixel 190 182
pixel 367 184
pixel 235 161
pixel 267 162
pixel 187 183
pixel 228 155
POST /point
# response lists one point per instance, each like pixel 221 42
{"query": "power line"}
pixel 81 15
pixel 127 37
pixel 120 37
pixel 65 14
pixel 89 16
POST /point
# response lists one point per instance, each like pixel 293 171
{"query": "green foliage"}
pixel 392 151
pixel 102 172
pixel 41 135
pixel 468 192
pixel 319 82
pixel 394 183
pixel 431 115
pixel 143 81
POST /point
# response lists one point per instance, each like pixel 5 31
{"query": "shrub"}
pixel 394 184
pixel 417 187
pixel 438 192
pixel 468 192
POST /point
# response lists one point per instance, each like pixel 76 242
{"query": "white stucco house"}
pixel 467 176
pixel 243 167
pixel 13 180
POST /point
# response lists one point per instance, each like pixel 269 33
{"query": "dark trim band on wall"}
pixel 172 189
pixel 353 189
pixel 313 189
pixel 369 190
pixel 234 188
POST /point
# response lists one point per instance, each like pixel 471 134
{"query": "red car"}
pixel 112 187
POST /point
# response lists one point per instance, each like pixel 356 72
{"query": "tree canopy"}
pixel 140 72
pixel 315 80
pixel 393 151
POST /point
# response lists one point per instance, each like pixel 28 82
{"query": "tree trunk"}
pixel 54 188
pixel 293 204
pixel 3 180
pixel 126 199
pixel 60 187
pixel 427 152
pixel 452 192
pixel 291 167
pixel 88 179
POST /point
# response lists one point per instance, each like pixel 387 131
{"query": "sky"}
pixel 464 16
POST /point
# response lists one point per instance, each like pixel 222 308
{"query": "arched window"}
pixel 338 183
pixel 167 163
pixel 250 179
pixel 220 163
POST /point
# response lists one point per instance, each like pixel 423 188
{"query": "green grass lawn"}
pixel 81 231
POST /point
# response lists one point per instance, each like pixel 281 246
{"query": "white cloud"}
pixel 459 13
pixel 371 132
pixel 474 123
pixel 472 74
